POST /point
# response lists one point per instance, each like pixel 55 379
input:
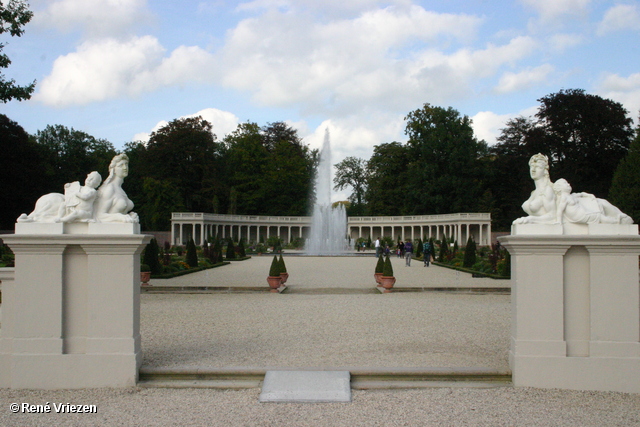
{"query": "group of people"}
pixel 405 249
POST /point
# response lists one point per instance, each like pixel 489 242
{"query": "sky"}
pixel 120 69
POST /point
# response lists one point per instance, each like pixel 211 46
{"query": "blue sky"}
pixel 118 69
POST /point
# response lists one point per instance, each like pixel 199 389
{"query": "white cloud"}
pixel 550 10
pixel 619 18
pixel 561 42
pixel 512 82
pixel 487 125
pixel 625 90
pixel 108 68
pixel 343 65
pixel 223 123
pixel 95 17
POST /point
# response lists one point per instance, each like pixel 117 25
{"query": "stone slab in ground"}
pixel 306 386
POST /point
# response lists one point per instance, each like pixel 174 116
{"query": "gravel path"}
pixel 425 407
pixel 300 330
pixel 329 272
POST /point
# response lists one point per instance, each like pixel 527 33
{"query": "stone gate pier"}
pixel 71 316
pixel 575 301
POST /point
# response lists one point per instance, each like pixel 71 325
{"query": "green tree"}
pixel 274 270
pixel 625 185
pixel 185 154
pixel 387 179
pixel 586 137
pixel 509 180
pixel 231 249
pixel 72 154
pixel 192 254
pixel 388 268
pixel 23 163
pixel 469 253
pixel 288 175
pixel 245 162
pixel 447 173
pixel 270 169
pixel 14 14
pixel 160 200
pixel 151 257
pixel 353 172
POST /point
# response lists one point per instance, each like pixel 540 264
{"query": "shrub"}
pixel 380 265
pixel 241 249
pixel 388 268
pixel 504 265
pixel 444 250
pixel 469 254
pixel 283 267
pixel 144 267
pixel 231 249
pixel 192 254
pixel 275 267
pixel 151 257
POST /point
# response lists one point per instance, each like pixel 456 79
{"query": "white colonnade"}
pixel 254 228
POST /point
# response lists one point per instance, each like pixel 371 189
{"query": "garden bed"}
pixel 474 273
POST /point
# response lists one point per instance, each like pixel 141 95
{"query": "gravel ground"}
pixel 263 329
pixel 425 407
pixel 329 272
pixel 290 330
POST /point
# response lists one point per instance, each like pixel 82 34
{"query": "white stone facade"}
pixel 71 313
pixel 575 301
pixel 253 228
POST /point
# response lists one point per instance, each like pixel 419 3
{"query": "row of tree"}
pixel 444 168
pixel 264 170
pixel 268 170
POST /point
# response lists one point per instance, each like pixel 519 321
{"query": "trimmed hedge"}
pixel 191 270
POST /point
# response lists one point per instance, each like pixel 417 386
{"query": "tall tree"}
pixel 387 179
pixel 586 137
pixel 353 172
pixel 245 162
pixel 185 154
pixel 72 154
pixel 446 170
pixel 625 185
pixel 14 14
pixel 23 176
pixel 289 173
pixel 269 169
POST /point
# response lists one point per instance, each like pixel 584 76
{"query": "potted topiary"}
pixel 283 270
pixel 379 269
pixel 145 274
pixel 274 279
pixel 387 280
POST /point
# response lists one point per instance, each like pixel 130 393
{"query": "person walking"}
pixel 400 249
pixel 408 252
pixel 378 247
pixel 426 249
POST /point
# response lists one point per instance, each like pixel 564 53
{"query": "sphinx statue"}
pixel 88 203
pixel 554 203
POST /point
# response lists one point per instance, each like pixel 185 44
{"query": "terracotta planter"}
pixel 377 276
pixel 284 276
pixel 145 276
pixel 387 282
pixel 274 282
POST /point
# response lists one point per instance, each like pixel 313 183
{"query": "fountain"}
pixel 328 225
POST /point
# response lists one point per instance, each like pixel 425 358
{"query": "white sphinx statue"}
pixel 87 203
pixel 554 203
